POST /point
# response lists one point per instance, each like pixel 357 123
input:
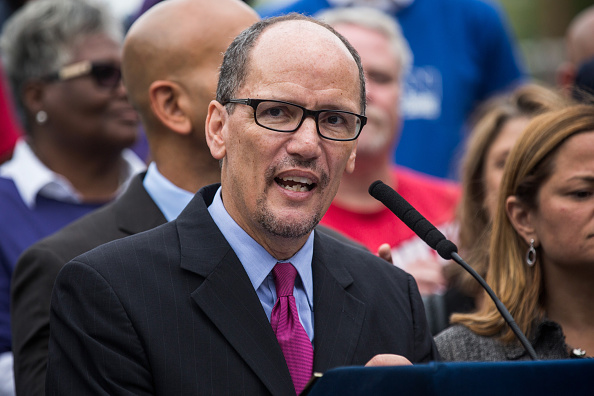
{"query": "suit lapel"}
pixel 338 316
pixel 227 296
pixel 135 210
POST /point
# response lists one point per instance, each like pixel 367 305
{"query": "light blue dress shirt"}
pixel 170 199
pixel 258 264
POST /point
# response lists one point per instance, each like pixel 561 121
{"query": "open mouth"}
pixel 294 183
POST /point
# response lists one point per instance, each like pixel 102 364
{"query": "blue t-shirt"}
pixel 463 53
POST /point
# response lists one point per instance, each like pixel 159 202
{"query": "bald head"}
pixel 181 41
pixel 283 46
pixel 237 58
pixel 580 37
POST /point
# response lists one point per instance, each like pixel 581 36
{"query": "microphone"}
pixel 413 219
pixel 445 248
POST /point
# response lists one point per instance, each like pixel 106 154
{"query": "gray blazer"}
pixel 459 343
pixel 172 311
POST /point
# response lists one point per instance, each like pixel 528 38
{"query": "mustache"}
pixel 292 162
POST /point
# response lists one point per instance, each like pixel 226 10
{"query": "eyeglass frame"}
pixel 253 103
pixel 81 69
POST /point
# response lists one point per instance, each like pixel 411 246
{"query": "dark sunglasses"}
pixel 105 74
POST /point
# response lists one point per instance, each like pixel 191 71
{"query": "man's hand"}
pixel 428 272
pixel 385 252
pixel 429 276
pixel 388 360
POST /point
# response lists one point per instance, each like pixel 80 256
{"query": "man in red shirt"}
pixel 386 56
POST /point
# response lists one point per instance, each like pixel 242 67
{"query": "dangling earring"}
pixel 41 117
pixel 531 254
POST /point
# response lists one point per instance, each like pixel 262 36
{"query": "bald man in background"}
pixel 170 65
pixel 579 45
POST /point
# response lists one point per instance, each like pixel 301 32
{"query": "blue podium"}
pixel 538 378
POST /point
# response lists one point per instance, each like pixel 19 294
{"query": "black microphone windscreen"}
pixel 445 248
pixel 433 237
pixel 407 213
pixel 393 201
pixel 372 187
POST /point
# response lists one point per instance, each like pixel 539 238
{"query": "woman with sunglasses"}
pixel 62 59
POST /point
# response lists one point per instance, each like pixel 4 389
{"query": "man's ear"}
pixel 214 128
pixel 521 218
pixel 167 103
pixel 350 166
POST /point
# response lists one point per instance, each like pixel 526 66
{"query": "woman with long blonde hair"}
pixel 541 256
pixel 499 123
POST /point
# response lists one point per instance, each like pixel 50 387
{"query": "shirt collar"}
pixel 170 199
pixel 32 177
pixel 255 259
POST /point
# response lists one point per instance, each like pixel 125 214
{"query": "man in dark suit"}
pixel 170 63
pixel 187 308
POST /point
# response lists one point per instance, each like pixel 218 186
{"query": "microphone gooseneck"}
pixel 445 248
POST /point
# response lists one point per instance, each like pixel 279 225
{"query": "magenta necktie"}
pixel 291 335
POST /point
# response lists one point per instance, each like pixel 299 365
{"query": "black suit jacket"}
pixel 36 271
pixel 171 311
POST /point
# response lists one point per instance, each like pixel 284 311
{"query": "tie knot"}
pixel 284 279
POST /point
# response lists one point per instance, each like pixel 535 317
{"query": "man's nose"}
pixel 305 141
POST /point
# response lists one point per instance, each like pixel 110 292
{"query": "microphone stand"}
pixel 444 247
pixel 500 307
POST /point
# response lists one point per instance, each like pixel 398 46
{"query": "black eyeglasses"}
pixel 105 74
pixel 280 116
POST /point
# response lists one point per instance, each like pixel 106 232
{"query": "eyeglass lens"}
pixel 286 117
